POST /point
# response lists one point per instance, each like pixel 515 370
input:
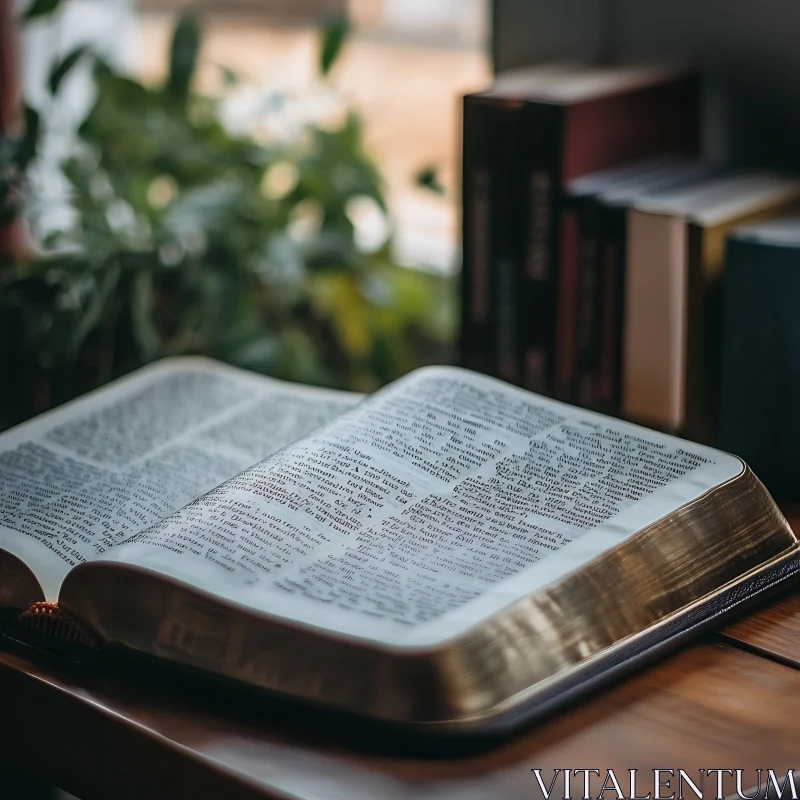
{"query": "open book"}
pixel 451 551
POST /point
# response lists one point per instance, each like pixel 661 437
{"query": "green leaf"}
pixel 40 8
pixel 28 145
pixel 428 178
pixel 229 77
pixel 261 353
pixel 101 66
pixel 98 307
pixel 183 56
pixel 334 35
pixel 62 69
pixel 204 209
pixel 144 330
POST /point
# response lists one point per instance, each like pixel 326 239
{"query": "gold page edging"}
pixel 735 528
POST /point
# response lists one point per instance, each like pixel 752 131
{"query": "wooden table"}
pixel 730 700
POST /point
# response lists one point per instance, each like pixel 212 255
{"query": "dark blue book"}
pixel 760 398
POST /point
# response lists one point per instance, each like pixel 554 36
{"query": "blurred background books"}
pixel 606 191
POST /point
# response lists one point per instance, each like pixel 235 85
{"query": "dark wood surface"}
pixel 709 705
pixel 773 631
pixel 729 700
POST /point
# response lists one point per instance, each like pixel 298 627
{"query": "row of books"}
pixel 594 240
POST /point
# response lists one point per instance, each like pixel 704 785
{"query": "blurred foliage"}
pixel 428 178
pixel 191 236
pixel 335 34
pixel 40 8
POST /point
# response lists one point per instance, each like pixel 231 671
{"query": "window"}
pixel 406 65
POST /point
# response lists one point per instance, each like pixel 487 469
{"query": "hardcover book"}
pixel 593 362
pixel 450 554
pixel 495 147
pixel 761 350
pixel 673 293
pixel 531 132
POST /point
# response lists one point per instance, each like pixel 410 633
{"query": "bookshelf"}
pixel 746 48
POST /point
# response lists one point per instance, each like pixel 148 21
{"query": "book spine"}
pixel 703 324
pixel 477 190
pixel 611 247
pixel 491 260
pixel 507 224
pixel 706 262
pixel 589 304
pixel 541 234
pixel 760 343
pixel 656 291
pixel 567 302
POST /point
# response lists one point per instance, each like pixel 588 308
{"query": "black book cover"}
pixel 491 232
pixel 475 234
pixel 540 208
pixel 479 171
pixel 590 303
pixel 611 248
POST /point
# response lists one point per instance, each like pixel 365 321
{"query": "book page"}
pixel 89 475
pixel 439 500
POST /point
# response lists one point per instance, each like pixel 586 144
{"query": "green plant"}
pixel 192 237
